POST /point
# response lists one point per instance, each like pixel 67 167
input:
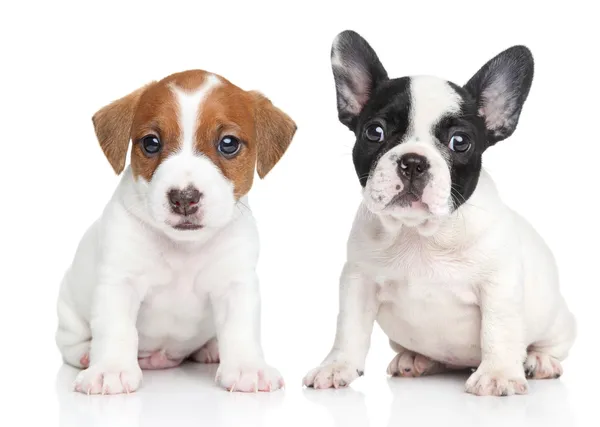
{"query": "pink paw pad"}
pixel 85 360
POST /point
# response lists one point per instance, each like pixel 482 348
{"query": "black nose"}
pixel 412 166
pixel 184 202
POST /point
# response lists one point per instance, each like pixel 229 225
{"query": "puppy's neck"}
pixel 426 227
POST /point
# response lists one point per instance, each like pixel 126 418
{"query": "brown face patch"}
pixel 227 111
pixel 263 130
pixel 157 115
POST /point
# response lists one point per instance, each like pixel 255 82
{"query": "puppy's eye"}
pixel 229 146
pixel 459 143
pixel 375 133
pixel 151 145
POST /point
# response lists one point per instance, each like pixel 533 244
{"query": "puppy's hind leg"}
pixel 410 364
pixel 73 336
pixel 209 353
pixel 544 357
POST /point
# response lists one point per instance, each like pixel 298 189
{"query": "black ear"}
pixel 501 87
pixel 357 72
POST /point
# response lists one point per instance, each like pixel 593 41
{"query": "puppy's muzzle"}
pixel 413 171
pixel 184 202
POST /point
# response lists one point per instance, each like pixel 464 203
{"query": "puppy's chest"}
pixel 412 260
pixel 176 301
pixel 180 298
pixel 422 289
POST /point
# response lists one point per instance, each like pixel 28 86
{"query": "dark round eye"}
pixel 459 143
pixel 229 146
pixel 375 133
pixel 151 145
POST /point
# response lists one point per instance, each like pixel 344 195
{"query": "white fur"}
pixel 476 287
pixel 478 292
pixel 138 287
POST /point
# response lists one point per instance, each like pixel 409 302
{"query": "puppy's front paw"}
pixel 100 379
pixel 488 382
pixel 249 378
pixel 334 374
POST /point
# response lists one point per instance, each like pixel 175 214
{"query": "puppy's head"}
pixel 420 139
pixel 195 142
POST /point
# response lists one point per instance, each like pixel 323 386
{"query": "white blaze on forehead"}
pixel 190 107
pixel 431 99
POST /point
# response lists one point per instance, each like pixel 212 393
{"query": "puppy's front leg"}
pixel 114 365
pixel 237 318
pixel 503 347
pixel 357 312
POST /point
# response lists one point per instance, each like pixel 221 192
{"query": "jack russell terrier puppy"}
pixel 167 272
pixel 454 277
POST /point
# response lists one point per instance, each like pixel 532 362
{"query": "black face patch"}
pixel 389 107
pixel 465 167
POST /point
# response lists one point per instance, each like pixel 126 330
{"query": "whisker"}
pixel 454 191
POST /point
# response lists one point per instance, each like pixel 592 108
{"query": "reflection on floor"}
pixel 187 396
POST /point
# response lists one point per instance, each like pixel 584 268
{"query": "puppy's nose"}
pixel 412 166
pixel 184 202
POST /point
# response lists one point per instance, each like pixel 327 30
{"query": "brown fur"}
pixel 156 115
pixel 274 132
pixel 112 125
pixel 264 130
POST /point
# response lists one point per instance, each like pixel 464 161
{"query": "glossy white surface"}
pixel 187 396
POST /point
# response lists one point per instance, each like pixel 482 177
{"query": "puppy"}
pixel 167 272
pixel 454 277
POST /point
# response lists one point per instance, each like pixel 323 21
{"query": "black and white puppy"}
pixel 454 277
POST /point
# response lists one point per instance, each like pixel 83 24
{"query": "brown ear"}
pixel 274 133
pixel 112 125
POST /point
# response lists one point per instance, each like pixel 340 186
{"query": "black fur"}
pixel 389 106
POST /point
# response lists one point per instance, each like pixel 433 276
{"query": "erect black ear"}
pixel 501 87
pixel 357 72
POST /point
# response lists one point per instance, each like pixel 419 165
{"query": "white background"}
pixel 61 62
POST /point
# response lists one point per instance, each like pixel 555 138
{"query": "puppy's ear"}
pixel 357 71
pixel 112 125
pixel 274 133
pixel 500 88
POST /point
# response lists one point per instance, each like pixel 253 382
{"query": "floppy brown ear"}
pixel 112 125
pixel 274 133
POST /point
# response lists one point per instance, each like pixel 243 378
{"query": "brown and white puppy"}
pixel 167 272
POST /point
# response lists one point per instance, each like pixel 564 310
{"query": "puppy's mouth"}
pixel 187 225
pixel 408 199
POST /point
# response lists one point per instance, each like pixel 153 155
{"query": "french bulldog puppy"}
pixel 454 277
